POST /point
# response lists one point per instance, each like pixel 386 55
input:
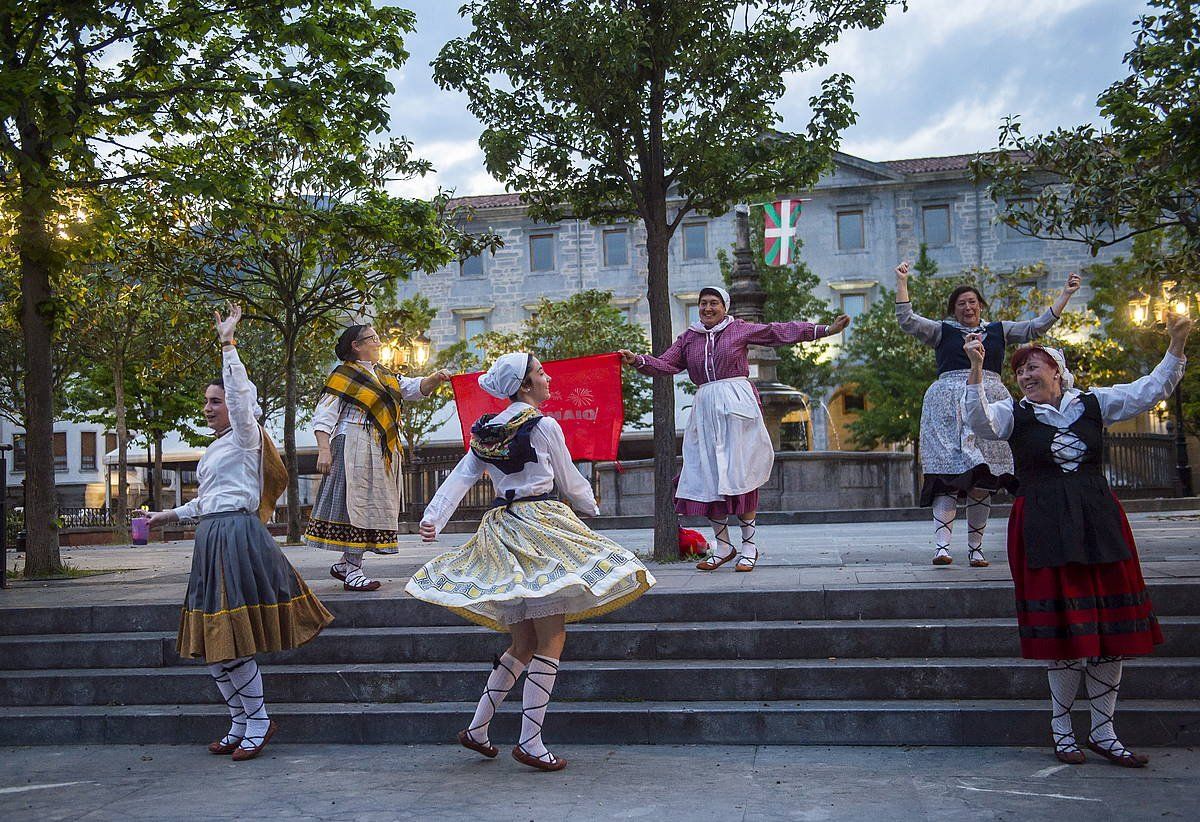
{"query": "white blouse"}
pixel 230 471
pixel 930 331
pixel 994 421
pixel 553 468
pixel 333 415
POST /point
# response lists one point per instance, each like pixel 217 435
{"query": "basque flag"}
pixel 585 398
pixel 779 237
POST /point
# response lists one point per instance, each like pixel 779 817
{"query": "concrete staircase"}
pixel 905 664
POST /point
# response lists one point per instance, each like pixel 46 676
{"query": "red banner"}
pixel 585 398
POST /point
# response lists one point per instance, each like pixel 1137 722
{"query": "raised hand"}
pixel 839 324
pixel 974 348
pixel 227 326
pixel 1073 282
pixel 902 271
pixel 1178 328
pixel 441 375
pixel 627 356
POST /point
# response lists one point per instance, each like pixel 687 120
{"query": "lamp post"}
pixel 398 352
pixel 1146 311
pixel 4 516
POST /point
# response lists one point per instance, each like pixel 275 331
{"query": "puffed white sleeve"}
pixel 410 388
pixel 574 488
pixel 1125 401
pixel 989 420
pixel 450 493
pixel 325 416
pixel 240 399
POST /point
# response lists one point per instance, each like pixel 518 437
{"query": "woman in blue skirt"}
pixel 243 596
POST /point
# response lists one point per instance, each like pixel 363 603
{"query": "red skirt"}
pixel 1076 611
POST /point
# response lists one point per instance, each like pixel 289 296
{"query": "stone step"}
pixel 664 680
pixel 984 600
pixel 816 722
pixel 588 641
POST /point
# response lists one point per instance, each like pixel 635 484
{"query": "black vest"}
pixel 950 354
pixel 520 450
pixel 1069 516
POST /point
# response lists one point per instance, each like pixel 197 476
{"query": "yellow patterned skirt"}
pixel 531 560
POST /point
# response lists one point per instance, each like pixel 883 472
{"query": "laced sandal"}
pixel 526 758
pixel 335 573
pixel 712 563
pixel 360 582
pixel 487 749
pixel 1126 758
pixel 1066 750
pixel 942 557
pixel 977 558
pixel 221 747
pixel 242 754
pixel 745 564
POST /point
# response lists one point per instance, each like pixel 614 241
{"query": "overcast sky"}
pixel 935 80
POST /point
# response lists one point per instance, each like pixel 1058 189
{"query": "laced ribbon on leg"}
pixel 724 547
pixel 749 549
pixel 1064 676
pixel 1103 685
pixel 248 685
pixel 979 508
pixel 506 670
pixel 237 714
pixel 539 682
pixel 945 509
pixel 355 577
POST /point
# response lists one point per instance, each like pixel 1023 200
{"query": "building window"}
pixel 1024 203
pixel 850 231
pixel 853 403
pixel 852 306
pixel 471 266
pixel 541 252
pixel 60 451
pixel 469 330
pixel 110 443
pixel 935 224
pixel 87 450
pixel 18 452
pixel 695 241
pixel 693 314
pixel 616 248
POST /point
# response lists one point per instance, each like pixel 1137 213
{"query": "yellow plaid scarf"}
pixel 377 396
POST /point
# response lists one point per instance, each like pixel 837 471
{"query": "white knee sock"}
pixel 945 509
pixel 237 714
pixel 1064 675
pixel 539 682
pixel 749 549
pixel 1103 684
pixel 505 672
pixel 248 685
pixel 978 511
pixel 722 547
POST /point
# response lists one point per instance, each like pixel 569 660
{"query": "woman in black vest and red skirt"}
pixel 956 464
pixel 1081 600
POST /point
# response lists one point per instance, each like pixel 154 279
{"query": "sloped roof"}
pixel 487 201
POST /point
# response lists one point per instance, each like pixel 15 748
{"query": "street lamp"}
pixel 398 352
pixel 1144 311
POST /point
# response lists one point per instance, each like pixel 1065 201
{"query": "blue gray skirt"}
pixel 243 596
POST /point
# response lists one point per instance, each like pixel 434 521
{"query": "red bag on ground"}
pixel 692 543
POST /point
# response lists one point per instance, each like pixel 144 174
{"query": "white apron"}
pixel 372 491
pixel 726 448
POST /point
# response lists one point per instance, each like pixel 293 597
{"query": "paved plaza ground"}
pixel 443 782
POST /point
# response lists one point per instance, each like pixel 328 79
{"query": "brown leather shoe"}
pixel 470 744
pixel 555 764
pixel 242 754
pixel 1075 757
pixel 1127 760
pixel 220 749
pixel 373 585
pixel 712 563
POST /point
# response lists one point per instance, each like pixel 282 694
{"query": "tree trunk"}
pixel 121 501
pixel 37 326
pixel 666 523
pixel 158 472
pixel 289 438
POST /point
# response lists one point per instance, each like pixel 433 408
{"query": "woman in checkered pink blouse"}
pixel 727 452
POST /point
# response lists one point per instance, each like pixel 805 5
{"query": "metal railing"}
pixel 1143 464
pixel 86 517
pixel 421 477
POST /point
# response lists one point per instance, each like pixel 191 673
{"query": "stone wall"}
pixel 800 481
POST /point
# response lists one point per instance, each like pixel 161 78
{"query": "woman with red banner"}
pixel 727 452
pixel 358 450
pixel 1081 600
pixel 532 566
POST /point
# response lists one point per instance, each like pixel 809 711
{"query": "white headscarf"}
pixel 505 376
pixel 710 338
pixel 724 294
pixel 1068 379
